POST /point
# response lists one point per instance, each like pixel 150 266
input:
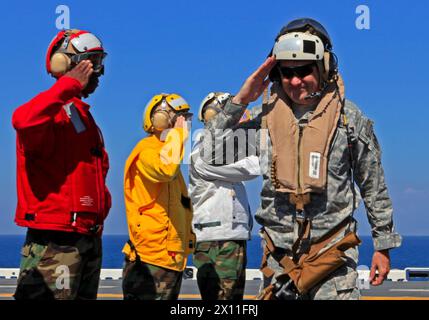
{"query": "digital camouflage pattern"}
pixel 221 269
pixel 144 281
pixel 328 209
pixel 59 265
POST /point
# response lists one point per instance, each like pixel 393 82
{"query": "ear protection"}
pixel 210 112
pixel 161 118
pixel 211 105
pixel 60 62
pixel 162 111
pixel 70 44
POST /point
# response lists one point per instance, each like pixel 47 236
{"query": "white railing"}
pixel 251 274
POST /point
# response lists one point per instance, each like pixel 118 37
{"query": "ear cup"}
pixel 333 64
pixel 160 120
pixel 327 65
pixel 274 74
pixel 209 113
pixel 330 65
pixel 60 63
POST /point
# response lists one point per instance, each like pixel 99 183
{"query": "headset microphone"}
pixel 313 95
pixel 316 94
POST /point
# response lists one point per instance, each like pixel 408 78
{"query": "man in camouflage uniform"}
pixel 222 220
pixel 353 157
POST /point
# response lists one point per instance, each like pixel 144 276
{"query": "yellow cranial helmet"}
pixel 160 119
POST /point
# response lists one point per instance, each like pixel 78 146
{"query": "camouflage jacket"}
pixel 328 209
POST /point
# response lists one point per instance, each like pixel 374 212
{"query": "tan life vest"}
pixel 300 155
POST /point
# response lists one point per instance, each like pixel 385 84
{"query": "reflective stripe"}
pixel 177 103
pixel 207 225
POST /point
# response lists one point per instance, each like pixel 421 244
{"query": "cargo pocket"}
pixel 346 286
pixel 203 246
pixel 58 259
pixel 201 254
pixel 31 254
pixel 31 282
pixel 149 230
pixel 228 261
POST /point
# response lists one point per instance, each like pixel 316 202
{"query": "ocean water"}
pixel 413 252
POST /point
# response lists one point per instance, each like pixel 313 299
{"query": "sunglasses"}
pixel 300 72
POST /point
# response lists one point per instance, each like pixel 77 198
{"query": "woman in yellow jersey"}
pixel 159 211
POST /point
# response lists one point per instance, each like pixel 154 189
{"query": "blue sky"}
pixel 194 47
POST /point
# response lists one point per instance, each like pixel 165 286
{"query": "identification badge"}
pixel 75 119
pixel 314 171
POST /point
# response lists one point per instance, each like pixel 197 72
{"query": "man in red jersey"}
pixel 61 172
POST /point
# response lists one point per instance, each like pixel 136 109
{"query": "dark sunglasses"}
pixel 300 72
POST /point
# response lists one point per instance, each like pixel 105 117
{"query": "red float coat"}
pixel 61 163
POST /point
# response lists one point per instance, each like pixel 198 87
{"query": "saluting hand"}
pixel 82 72
pixel 255 85
pixel 180 122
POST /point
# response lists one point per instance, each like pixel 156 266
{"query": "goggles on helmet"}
pixel 172 107
pixel 96 57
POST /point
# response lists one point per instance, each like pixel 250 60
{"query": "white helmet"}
pixel 299 46
pixel 211 105
pixel 306 39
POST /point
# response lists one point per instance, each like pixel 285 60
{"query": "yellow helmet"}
pixel 176 102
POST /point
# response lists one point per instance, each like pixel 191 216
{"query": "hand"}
pixel 255 84
pixel 82 72
pixel 180 122
pixel 380 262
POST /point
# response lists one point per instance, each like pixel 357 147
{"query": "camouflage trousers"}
pixel 59 265
pixel 221 269
pixel 144 281
pixel 339 285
